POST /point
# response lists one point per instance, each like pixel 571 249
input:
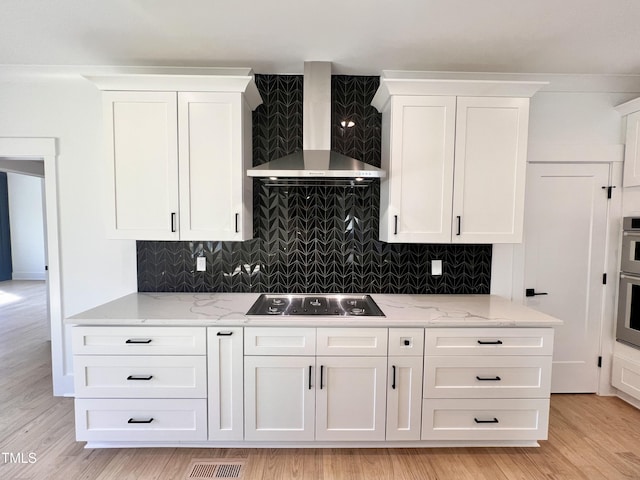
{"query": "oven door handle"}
pixel 630 277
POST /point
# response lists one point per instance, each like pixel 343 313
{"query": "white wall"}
pixel 26 226
pixel 94 270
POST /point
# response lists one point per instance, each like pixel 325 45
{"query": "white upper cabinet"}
pixel 489 174
pixel 417 153
pixel 177 158
pixel 455 153
pixel 142 152
pixel 631 175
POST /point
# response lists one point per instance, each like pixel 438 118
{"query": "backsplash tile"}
pixel 314 239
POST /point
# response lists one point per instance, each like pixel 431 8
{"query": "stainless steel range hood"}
pixel 316 163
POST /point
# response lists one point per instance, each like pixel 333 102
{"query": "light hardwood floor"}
pixel 590 437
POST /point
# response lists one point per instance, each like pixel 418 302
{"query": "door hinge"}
pixel 604 278
pixel 600 362
pixel 609 190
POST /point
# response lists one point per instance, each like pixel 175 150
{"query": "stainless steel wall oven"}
pixel 628 328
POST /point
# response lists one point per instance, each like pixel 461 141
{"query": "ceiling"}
pixel 358 36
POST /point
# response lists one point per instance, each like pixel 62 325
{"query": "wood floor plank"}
pixel 590 437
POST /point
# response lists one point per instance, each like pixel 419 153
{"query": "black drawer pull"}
pixel 310 377
pixel 139 377
pixel 224 334
pixel 131 420
pixel 321 375
pixel 138 340
pixel 393 382
pixel 495 420
pixel 492 342
pixel 489 379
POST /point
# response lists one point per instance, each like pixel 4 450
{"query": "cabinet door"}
pixel 224 362
pixel 404 398
pixel 212 166
pixel 632 151
pixel 416 198
pixel 279 398
pixel 490 163
pixel 142 153
pixel 350 398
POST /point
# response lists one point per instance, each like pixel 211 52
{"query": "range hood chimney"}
pixel 316 164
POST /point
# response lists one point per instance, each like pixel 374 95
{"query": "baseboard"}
pixel 29 276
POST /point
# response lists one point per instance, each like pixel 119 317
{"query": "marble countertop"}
pixel 228 309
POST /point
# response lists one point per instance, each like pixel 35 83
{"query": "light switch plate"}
pixel 436 267
pixel 201 264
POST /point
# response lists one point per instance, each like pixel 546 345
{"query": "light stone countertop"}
pixel 228 309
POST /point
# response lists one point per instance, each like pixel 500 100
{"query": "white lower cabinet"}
pixel 135 420
pixel 279 398
pixel 285 385
pixel 490 384
pixel 136 384
pixel 225 393
pixel 350 398
pixel 485 419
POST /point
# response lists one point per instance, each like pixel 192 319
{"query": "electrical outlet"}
pixel 201 264
pixel 436 267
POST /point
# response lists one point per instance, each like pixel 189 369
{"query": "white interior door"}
pixel 565 236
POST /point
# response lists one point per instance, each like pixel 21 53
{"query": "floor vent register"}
pixel 215 468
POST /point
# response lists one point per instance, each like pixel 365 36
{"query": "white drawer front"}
pixel 139 340
pixel 141 420
pixel 494 419
pixel 352 341
pixel 487 377
pixel 625 376
pixel 103 376
pixel 489 341
pixel 279 341
pixel 406 342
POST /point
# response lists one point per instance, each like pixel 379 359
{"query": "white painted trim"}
pixel 46 149
pixel 611 268
pixel 222 82
pixel 543 152
pixel 28 276
pixel 629 107
pixel 416 85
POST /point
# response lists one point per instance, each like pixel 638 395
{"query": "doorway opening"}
pixel 38 156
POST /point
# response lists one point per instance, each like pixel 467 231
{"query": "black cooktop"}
pixel 310 304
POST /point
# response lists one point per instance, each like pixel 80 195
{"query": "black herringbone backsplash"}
pixel 314 239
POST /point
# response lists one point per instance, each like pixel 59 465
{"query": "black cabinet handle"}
pixel 224 334
pixel 139 340
pixel 494 420
pixel 395 224
pixel 131 420
pixel 139 377
pixel 492 342
pixel 310 377
pixel 173 221
pixel 237 215
pixel 458 219
pixel 321 374
pixel 489 379
pixel 531 292
pixel 393 380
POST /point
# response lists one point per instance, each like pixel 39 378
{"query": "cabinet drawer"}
pixel 489 341
pixel 279 341
pixel 487 377
pixel 352 341
pixel 406 342
pixel 139 340
pixel 486 419
pixel 140 376
pixel 141 420
pixel 625 376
